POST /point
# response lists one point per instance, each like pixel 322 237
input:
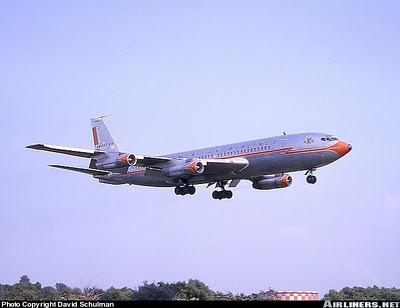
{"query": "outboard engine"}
pixel 272 182
pixel 185 169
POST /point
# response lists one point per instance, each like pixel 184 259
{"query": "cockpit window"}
pixel 329 138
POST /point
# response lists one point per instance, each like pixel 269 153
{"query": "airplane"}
pixel 264 162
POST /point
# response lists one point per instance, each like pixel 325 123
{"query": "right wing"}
pixel 150 161
pixel 65 150
pixel 223 166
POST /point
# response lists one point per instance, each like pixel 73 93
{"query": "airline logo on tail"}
pixel 101 136
pixel 95 138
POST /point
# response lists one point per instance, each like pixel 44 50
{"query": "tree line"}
pixel 359 293
pixel 181 290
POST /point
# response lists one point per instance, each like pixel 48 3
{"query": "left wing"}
pixel 65 150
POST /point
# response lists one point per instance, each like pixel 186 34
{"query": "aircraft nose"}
pixel 341 148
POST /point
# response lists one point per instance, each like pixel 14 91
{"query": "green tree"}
pixel 359 293
pixel 114 294
pixel 195 290
pixel 157 291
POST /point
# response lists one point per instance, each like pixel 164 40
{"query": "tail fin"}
pixel 101 136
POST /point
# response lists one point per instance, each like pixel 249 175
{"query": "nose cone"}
pixel 341 148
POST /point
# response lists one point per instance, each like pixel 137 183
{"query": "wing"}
pixel 90 171
pixel 224 166
pixel 150 161
pixel 65 150
pixel 204 167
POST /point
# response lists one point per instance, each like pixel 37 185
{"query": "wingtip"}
pixel 34 146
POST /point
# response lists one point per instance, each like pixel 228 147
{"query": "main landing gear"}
pixel 184 190
pixel 311 179
pixel 222 194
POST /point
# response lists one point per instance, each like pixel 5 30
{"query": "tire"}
pixel 215 194
pixel 178 190
pixel 229 194
pixel 185 190
pixel 311 179
pixel 192 190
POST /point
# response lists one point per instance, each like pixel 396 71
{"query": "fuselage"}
pixel 272 155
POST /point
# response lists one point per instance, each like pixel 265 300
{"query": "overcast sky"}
pixel 180 75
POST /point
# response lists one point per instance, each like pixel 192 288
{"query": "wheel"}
pixel 311 179
pixel 192 190
pixel 185 190
pixel 215 194
pixel 178 190
pixel 229 194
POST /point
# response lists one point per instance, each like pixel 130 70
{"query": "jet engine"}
pixel 123 160
pixel 182 170
pixel 272 182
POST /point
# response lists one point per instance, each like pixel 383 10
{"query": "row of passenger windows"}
pixel 228 153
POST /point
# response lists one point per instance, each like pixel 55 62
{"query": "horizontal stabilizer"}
pixel 65 150
pixel 82 170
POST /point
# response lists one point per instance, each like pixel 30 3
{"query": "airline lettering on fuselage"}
pixel 98 146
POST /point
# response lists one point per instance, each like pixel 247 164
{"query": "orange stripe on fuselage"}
pixel 340 148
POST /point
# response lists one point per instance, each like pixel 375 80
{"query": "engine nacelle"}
pixel 123 160
pixel 273 182
pixel 182 170
pixel 127 159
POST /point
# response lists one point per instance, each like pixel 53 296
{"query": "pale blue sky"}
pixel 178 75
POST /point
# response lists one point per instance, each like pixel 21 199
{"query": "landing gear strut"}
pixel 311 179
pixel 184 190
pixel 222 194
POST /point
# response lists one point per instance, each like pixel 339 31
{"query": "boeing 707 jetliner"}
pixel 264 162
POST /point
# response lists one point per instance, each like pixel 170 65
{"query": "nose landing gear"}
pixel 311 179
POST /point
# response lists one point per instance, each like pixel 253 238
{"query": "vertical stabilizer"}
pixel 102 139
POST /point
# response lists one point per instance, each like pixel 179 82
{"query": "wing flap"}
pixel 89 171
pixel 65 150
